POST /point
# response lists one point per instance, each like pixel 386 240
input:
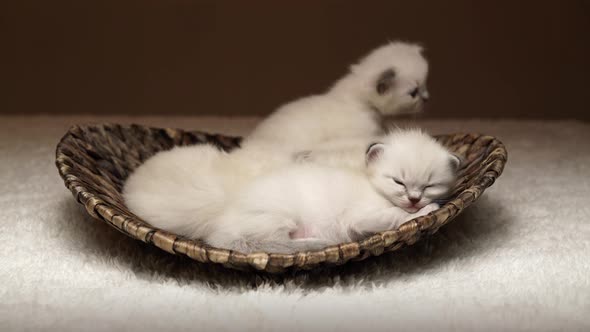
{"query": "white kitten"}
pixel 389 80
pixel 424 169
pixel 183 189
pixel 307 206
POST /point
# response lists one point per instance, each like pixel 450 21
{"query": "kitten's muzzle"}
pixel 425 96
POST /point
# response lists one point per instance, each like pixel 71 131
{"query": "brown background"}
pixel 488 59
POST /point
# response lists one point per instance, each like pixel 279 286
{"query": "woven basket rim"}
pixel 390 240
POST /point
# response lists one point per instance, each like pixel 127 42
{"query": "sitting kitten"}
pixel 307 206
pixel 390 80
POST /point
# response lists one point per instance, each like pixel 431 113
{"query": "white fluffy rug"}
pixel 519 259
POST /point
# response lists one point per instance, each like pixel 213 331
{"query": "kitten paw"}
pixel 429 208
pixel 425 210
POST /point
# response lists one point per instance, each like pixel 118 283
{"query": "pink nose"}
pixel 414 200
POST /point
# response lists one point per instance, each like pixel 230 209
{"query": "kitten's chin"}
pixel 407 110
pixel 416 108
pixel 411 209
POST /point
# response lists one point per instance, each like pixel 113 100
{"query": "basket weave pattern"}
pixel 94 162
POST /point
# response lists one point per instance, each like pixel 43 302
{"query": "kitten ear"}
pixel 374 152
pixel 455 162
pixel 385 81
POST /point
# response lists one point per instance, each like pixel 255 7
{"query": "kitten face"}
pixel 399 91
pixel 396 75
pixel 411 169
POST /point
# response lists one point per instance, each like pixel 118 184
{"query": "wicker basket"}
pixel 94 162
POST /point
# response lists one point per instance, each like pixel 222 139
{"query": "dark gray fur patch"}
pixel 385 81
pixel 455 162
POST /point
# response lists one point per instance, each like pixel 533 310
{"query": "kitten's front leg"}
pixel 423 211
pixel 386 219
pixel 382 220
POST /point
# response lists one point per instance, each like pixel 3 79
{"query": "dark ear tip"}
pixel 456 161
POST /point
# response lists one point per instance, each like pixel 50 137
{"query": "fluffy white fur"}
pixel 389 80
pixel 158 190
pixel 199 192
pixel 347 153
pixel 183 189
pixel 352 108
pixel 310 206
pixel 423 169
pixel 306 207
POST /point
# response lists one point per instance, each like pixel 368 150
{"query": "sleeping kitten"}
pixel 390 80
pixel 307 206
pixel 183 189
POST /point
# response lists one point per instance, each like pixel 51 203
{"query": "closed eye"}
pixel 432 185
pixel 396 180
